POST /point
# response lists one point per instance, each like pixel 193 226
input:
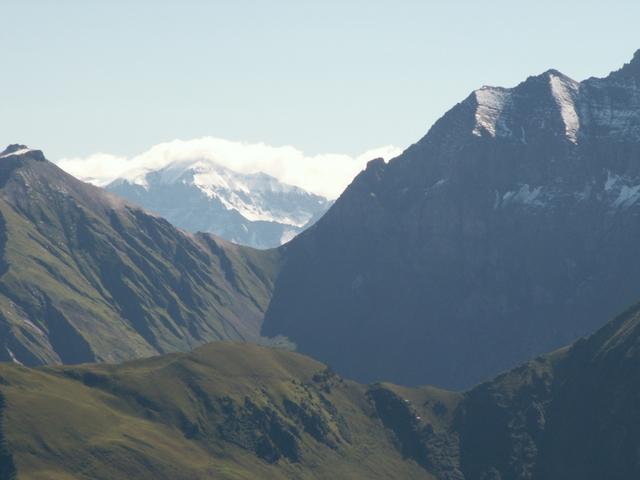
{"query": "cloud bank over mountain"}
pixel 323 174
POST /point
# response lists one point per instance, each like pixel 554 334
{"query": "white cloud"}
pixel 324 174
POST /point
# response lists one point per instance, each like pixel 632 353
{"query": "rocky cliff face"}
pixel 86 276
pixel 508 230
pixel 568 415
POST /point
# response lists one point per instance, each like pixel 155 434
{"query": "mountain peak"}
pixel 376 163
pixel 631 69
pixel 13 149
pixel 494 105
pixel 200 194
pixel 636 58
pixel 544 77
pixel 16 149
pixel 634 65
pixel 490 102
pixel 552 72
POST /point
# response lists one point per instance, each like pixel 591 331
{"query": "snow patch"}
pixel 525 195
pixel 623 191
pixel 13 357
pixel 287 235
pixel 628 196
pixel 246 193
pixel 439 183
pixel 564 91
pixel 22 151
pixel 611 181
pixel 491 103
pixel 255 196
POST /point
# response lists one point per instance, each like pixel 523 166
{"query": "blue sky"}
pixel 79 77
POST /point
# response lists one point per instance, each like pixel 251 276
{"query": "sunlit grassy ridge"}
pixel 224 411
pixel 236 410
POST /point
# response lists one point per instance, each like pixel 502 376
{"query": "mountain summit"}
pixel 18 150
pixel 14 149
pixel 202 196
pixel 631 69
pixel 509 229
pixel 543 97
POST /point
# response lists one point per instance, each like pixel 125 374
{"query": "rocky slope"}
pixel 85 276
pixel 508 230
pixel 568 415
pixel 249 209
pixel 241 411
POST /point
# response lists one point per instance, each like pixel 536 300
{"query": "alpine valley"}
pixel 129 345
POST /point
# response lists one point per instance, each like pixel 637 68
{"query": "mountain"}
pixel 235 411
pixel 200 196
pixel 508 230
pixel 86 276
pixel 568 415
pixel 224 411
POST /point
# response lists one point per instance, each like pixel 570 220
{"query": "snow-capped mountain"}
pixel 199 195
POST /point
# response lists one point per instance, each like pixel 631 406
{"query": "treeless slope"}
pixel 232 410
pixel 85 276
pixel 224 411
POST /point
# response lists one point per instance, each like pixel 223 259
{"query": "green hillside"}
pixel 236 410
pixel 225 411
pixel 85 276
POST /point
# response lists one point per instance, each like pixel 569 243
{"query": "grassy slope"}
pixel 221 412
pixel 85 276
pixel 231 410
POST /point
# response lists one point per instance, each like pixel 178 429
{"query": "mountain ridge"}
pixel 234 410
pixel 480 238
pixel 250 209
pixel 88 276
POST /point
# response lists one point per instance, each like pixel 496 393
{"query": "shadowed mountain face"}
pixel 241 411
pixel 85 276
pixel 569 415
pixel 509 229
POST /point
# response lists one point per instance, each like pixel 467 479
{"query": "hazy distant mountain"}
pixel 511 228
pixel 201 196
pixel 86 276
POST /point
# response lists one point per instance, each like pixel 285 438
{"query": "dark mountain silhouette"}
pixel 508 230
